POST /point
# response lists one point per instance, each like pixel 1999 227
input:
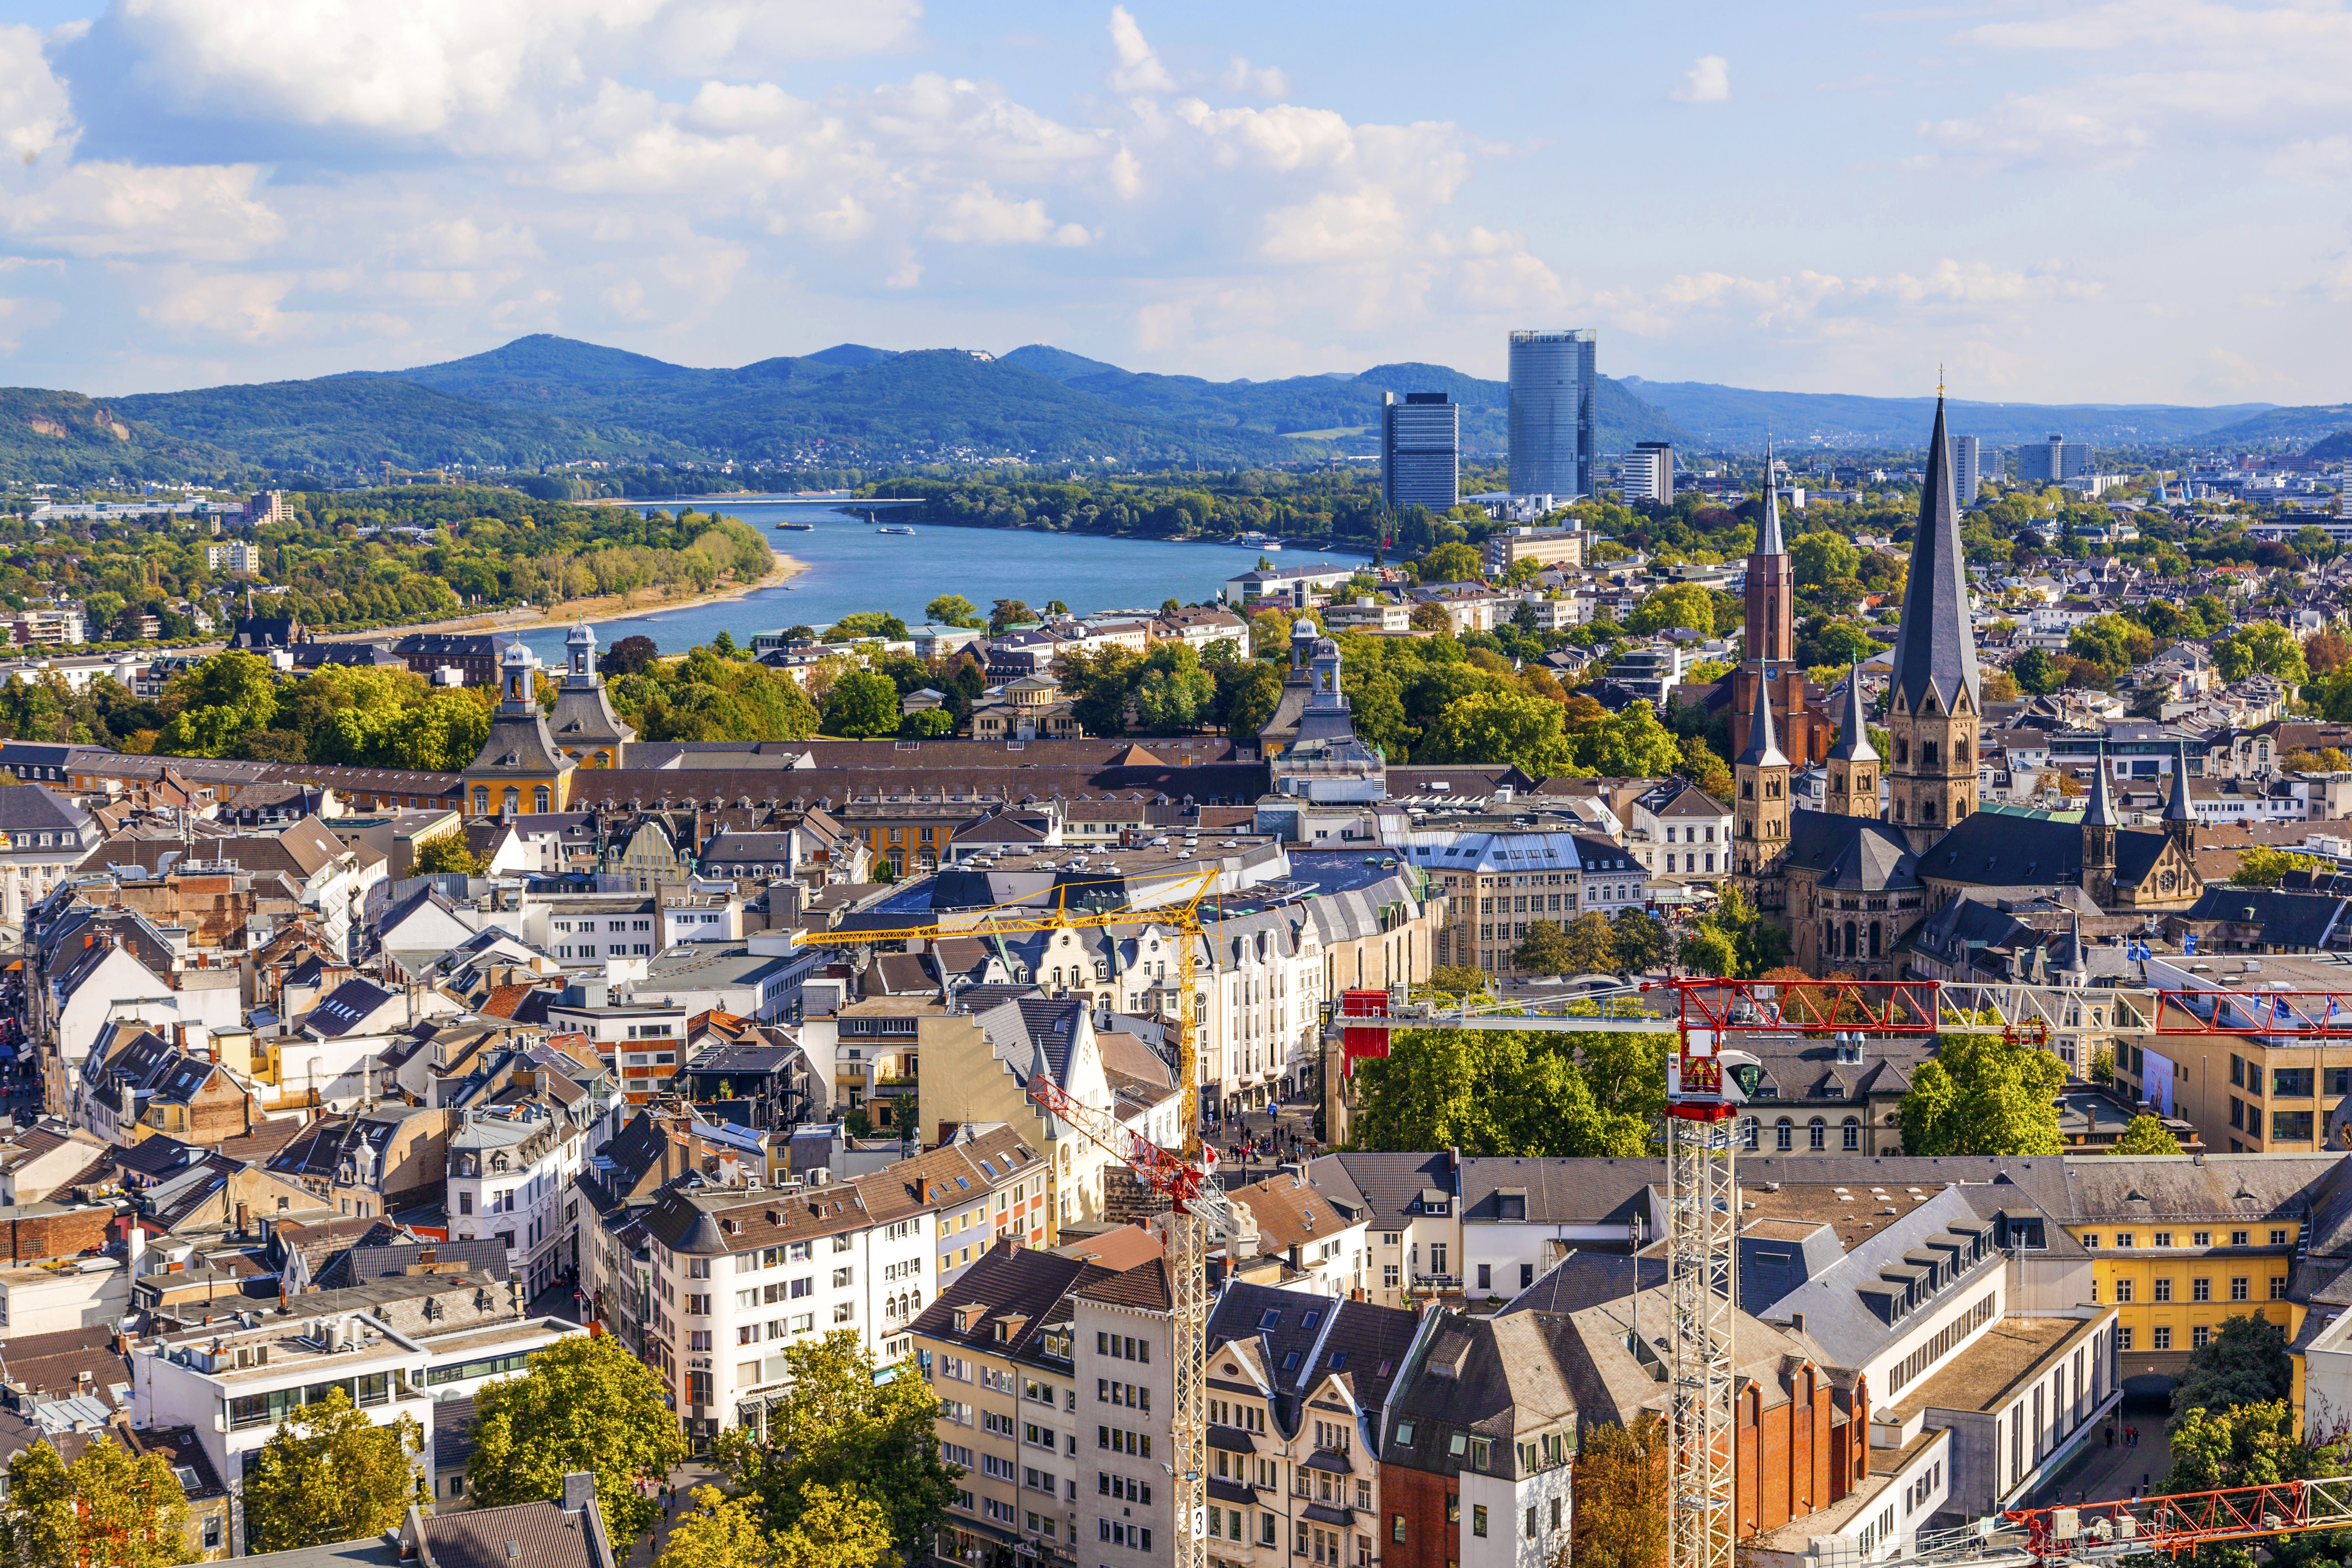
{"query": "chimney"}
pixel 1797 1322
pixel 579 1491
pixel 244 1216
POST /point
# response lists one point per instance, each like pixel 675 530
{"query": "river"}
pixel 850 567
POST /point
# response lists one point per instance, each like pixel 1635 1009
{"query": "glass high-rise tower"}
pixel 1421 441
pixel 1553 390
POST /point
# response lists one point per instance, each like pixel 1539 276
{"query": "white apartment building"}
pixel 510 1173
pixel 738 1273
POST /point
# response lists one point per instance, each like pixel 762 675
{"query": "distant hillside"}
pixel 347 422
pixel 1059 364
pixel 63 438
pixel 544 399
pixel 1738 416
pixel 2334 448
pixel 2297 424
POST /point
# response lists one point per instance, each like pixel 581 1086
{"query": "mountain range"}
pixel 544 399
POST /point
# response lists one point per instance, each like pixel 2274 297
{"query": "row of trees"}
pixel 849 1473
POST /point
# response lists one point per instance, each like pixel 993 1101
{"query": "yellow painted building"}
pixel 2180 1243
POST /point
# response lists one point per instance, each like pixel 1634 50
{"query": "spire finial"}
pixel 1939 380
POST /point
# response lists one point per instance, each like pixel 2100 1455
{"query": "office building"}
pixel 1553 389
pixel 2054 461
pixel 1421 441
pixel 1648 473
pixel 1968 473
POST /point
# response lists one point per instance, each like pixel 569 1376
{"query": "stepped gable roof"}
pixel 1852 852
pixel 1935 642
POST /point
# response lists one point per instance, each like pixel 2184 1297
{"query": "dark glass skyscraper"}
pixel 1553 389
pixel 1421 441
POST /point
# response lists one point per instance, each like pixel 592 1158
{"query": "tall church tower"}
pixel 1854 764
pixel 1770 634
pixel 2099 839
pixel 2179 812
pixel 1761 830
pixel 1933 709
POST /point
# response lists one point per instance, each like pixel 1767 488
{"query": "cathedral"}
pixel 1849 882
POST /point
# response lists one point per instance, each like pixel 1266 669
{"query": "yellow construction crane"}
pixel 1185 1174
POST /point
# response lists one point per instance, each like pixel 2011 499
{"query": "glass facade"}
pixel 1554 384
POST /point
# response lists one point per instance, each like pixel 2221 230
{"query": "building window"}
pixel 2160 1337
pixel 1817 1134
pixel 1785 1136
pixel 1478 1519
pixel 2199 1337
pixel 2241 1288
pixel 1853 1134
pixel 2200 1290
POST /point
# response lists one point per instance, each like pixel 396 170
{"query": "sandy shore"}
pixel 608 607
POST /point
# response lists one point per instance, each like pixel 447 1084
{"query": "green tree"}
pixel 1982 1095
pixel 328 1473
pixel 2264 647
pixel 865 624
pixel 838 1528
pixel 1545 950
pixel 1498 727
pixel 1491 1092
pixel 220 702
pixel 1249 698
pixel 953 610
pixel 2244 1363
pixel 2256 1444
pixel 2259 865
pixel 841 1427
pixel 927 724
pixel 1705 769
pixel 1630 744
pixel 110 1509
pixel 585 1404
pixel 1676 605
pixel 1453 563
pixel 1820 556
pixel 2036 672
pixel 1732 940
pixel 1641 941
pixel 2146 1135
pixel 1457 980
pixel 1008 612
pixel 862 703
pixel 446 852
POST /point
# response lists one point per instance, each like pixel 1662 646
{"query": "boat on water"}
pixel 797 527
pixel 1271 545
pixel 894 528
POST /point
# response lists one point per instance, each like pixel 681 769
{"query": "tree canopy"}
pixel 1982 1095
pixel 110 1506
pixel 586 1403
pixel 842 1441
pixel 2146 1135
pixel 328 1473
pixel 1503 1092
pixel 1622 1496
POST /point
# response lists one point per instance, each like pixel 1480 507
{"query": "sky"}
pixel 2140 200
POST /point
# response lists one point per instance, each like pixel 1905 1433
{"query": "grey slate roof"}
pixel 1851 852
pixel 1562 1192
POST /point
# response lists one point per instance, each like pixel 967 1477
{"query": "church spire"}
pixel 1763 750
pixel 1768 539
pixel 1935 645
pixel 1854 726
pixel 2179 814
pixel 2100 813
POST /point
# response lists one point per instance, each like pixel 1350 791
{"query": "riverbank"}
pixel 594 611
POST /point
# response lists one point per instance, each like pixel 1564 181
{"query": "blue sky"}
pixel 2060 201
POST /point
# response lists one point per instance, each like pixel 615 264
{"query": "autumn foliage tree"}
pixel 328 1473
pixel 110 1506
pixel 586 1403
pixel 1621 1497
pixel 1980 1094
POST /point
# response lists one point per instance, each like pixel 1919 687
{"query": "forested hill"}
pixel 544 400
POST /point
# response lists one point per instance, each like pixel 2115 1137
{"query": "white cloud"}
pixel 1708 82
pixel 240 305
pixel 2172 76
pixel 1247 81
pixel 117 209
pixel 1138 69
pixel 980 217
pixel 35 117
